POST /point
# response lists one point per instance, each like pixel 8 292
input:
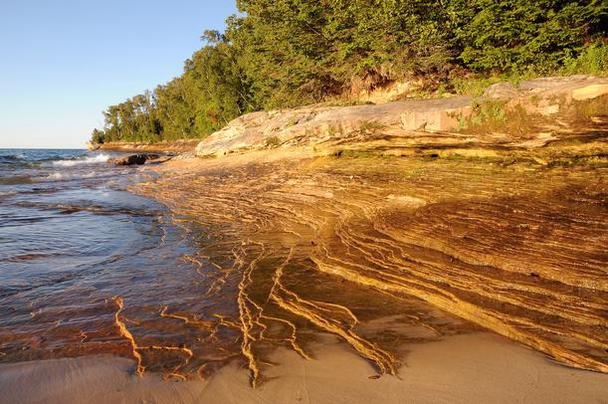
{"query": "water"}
pixel 64 211
pixel 73 242
pixel 89 267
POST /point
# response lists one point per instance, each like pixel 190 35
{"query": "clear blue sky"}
pixel 62 62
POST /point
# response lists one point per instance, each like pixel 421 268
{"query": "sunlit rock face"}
pixel 491 210
pixel 331 244
pixel 526 113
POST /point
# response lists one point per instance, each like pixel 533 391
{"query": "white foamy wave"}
pixel 100 158
pixel 66 176
pixel 55 176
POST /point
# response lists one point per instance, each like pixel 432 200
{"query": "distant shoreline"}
pixel 179 146
pixel 44 148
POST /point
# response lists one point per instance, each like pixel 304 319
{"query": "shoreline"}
pixel 479 367
pixel 317 185
pixel 333 237
pixel 476 367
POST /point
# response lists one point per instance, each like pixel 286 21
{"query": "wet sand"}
pixel 478 367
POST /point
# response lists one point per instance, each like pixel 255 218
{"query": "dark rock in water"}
pixel 133 159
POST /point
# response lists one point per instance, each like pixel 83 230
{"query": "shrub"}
pixel 592 60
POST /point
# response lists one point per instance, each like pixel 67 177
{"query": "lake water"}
pixel 73 244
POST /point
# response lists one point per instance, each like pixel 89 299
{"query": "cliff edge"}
pixel 529 115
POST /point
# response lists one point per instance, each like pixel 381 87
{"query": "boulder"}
pixel 133 159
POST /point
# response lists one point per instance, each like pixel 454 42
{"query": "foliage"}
pixel 592 60
pixel 476 84
pixel 493 116
pixel 285 53
pixel 97 136
pixel 526 35
pixel 211 91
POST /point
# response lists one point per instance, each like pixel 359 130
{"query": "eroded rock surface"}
pixel 408 125
pixel 502 225
pixel 513 246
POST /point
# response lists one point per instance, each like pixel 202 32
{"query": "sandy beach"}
pixel 478 367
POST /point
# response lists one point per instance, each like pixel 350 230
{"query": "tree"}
pixel 526 35
pixel 286 53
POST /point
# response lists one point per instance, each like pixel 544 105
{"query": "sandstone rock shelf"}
pixel 527 116
pixel 516 248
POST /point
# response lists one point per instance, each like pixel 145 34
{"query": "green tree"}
pixel 526 35
pixel 285 53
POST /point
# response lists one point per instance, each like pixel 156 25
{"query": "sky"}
pixel 62 62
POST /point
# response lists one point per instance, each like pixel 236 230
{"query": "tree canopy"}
pixel 285 53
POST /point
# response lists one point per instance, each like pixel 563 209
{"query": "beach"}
pixel 477 367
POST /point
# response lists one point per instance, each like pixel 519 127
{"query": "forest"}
pixel 287 53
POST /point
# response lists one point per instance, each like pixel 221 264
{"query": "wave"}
pixel 58 176
pixel 13 157
pixel 100 158
pixel 16 180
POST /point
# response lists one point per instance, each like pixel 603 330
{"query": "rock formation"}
pixel 335 218
pixel 508 244
pixel 133 159
pixel 546 105
pixel 502 225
